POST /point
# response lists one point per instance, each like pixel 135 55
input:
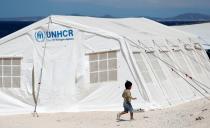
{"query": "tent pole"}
pixel 39 84
pixel 33 92
pixel 40 76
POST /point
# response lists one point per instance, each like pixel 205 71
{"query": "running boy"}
pixel 127 101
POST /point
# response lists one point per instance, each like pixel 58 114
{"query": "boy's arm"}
pixel 133 98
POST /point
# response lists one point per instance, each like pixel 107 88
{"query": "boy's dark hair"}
pixel 128 84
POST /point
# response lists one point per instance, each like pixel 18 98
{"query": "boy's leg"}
pixel 131 115
pixel 119 114
pixel 122 113
pixel 131 111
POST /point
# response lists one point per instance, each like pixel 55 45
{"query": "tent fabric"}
pixel 56 52
pixel 201 30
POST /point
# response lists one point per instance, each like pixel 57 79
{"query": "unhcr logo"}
pixel 41 36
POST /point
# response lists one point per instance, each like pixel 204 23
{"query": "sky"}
pixel 119 8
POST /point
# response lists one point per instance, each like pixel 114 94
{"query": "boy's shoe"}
pixel 118 116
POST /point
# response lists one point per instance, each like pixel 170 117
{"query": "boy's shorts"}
pixel 127 107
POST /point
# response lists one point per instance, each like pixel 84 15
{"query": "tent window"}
pixel 170 61
pixel 93 57
pixel 102 56
pixel 195 62
pixel 112 64
pixel 10 71
pixel 93 66
pixel 103 76
pixel 103 66
pixel 156 67
pixel 142 67
pixel 94 77
pixel 112 55
pixel 182 62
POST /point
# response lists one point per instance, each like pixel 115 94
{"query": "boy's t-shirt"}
pixel 127 95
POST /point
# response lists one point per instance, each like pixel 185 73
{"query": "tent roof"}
pixel 133 28
pixel 202 30
pixel 130 27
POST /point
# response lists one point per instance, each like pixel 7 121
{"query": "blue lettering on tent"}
pixel 53 34
pixel 65 34
pixel 60 34
pixel 41 36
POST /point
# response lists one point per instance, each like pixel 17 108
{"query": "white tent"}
pixel 68 63
pixel 201 30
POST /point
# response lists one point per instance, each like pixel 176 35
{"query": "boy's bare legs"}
pixel 131 115
pixel 120 114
